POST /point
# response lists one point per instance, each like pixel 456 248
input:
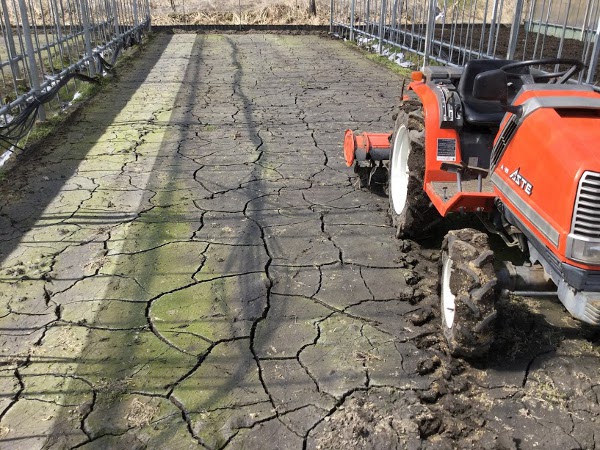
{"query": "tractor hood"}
pixel 539 161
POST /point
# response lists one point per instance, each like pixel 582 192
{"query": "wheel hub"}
pixel 399 170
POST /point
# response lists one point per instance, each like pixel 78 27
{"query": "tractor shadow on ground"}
pixel 526 327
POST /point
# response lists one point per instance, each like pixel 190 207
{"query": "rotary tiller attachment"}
pixel 366 151
pixel 366 147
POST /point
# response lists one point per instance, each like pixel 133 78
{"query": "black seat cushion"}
pixel 476 111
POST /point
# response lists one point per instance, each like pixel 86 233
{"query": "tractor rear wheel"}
pixel 468 293
pixel 410 208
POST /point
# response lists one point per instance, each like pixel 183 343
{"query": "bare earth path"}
pixel 190 264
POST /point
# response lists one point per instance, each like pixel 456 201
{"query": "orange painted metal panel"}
pixel 433 171
pixel 544 162
pixel 462 201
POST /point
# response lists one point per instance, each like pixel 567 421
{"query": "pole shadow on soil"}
pixel 178 381
pixel 120 359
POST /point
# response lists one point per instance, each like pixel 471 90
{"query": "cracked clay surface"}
pixel 189 264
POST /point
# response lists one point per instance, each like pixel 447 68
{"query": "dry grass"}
pixel 210 12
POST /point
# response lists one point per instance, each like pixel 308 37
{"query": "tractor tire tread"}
pixel 472 282
pixel 486 322
pixel 419 215
pixel 484 258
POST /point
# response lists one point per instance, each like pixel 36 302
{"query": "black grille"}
pixel 586 220
pixel 507 134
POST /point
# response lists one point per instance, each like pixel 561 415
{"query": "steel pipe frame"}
pixel 12 50
pixel 398 33
pixel 382 15
pixel 441 44
pixel 595 55
pixel 33 68
pixel 48 46
pixel 70 31
pixel 73 68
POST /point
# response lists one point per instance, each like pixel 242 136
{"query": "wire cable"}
pixel 21 125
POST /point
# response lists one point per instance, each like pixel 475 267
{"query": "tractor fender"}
pixel 445 143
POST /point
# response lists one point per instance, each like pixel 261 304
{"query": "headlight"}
pixel 584 251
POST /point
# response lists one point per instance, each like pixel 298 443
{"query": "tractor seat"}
pixel 476 111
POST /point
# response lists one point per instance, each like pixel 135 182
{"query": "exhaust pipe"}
pixel 366 147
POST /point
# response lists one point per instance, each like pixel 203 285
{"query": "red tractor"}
pixel 519 148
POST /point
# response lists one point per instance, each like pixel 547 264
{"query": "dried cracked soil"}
pixel 188 263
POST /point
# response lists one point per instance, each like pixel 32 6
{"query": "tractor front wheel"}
pixel 410 208
pixel 468 293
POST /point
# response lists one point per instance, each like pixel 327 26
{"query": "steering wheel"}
pixel 563 75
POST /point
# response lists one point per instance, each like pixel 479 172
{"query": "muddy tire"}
pixel 468 293
pixel 411 210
